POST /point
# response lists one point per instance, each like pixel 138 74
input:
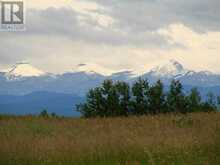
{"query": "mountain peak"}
pixel 175 63
pixel 168 69
pixel 23 69
pixel 92 68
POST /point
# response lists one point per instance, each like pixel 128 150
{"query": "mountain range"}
pixel 25 82
pixel 23 78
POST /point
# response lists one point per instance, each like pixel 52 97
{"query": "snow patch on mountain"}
pixel 22 70
pixel 91 68
pixel 169 69
pixel 19 79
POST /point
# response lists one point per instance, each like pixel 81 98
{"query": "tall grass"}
pixel 165 139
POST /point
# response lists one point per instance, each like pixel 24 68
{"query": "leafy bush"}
pixel 45 114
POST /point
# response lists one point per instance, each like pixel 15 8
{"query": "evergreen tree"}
pixel 123 90
pixel 111 98
pixel 156 98
pixel 94 104
pixel 218 102
pixel 211 99
pixel 210 104
pixel 194 101
pixel 176 99
pixel 140 92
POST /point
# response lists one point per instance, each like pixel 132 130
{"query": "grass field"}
pixel 166 139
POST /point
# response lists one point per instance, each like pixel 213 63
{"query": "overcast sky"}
pixel 117 34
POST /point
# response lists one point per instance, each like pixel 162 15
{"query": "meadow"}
pixel 163 139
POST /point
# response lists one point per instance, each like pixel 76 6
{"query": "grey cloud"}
pixel 64 22
pixel 135 26
pixel 142 15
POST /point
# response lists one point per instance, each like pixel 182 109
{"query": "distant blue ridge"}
pixel 34 103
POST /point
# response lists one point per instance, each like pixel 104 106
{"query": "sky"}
pixel 117 35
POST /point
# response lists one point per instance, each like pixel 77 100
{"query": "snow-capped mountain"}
pixel 174 70
pixel 202 78
pixel 26 89
pixel 170 69
pixel 23 78
pixel 22 70
pixel 91 68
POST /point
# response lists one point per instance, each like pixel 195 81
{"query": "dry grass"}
pixel 171 139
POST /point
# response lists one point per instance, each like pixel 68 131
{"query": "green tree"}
pixel 140 92
pixel 123 90
pixel 116 99
pixel 111 98
pixel 157 98
pixel 175 98
pixel 44 114
pixel 194 101
pixel 54 115
pixel 94 104
pixel 210 104
pixel 218 102
pixel 211 99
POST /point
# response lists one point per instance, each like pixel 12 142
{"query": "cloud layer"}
pixel 116 34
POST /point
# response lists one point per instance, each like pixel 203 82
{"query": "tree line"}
pixel 119 98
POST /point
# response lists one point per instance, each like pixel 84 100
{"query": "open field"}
pixel 171 139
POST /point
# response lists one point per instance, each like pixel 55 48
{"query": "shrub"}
pixel 44 114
